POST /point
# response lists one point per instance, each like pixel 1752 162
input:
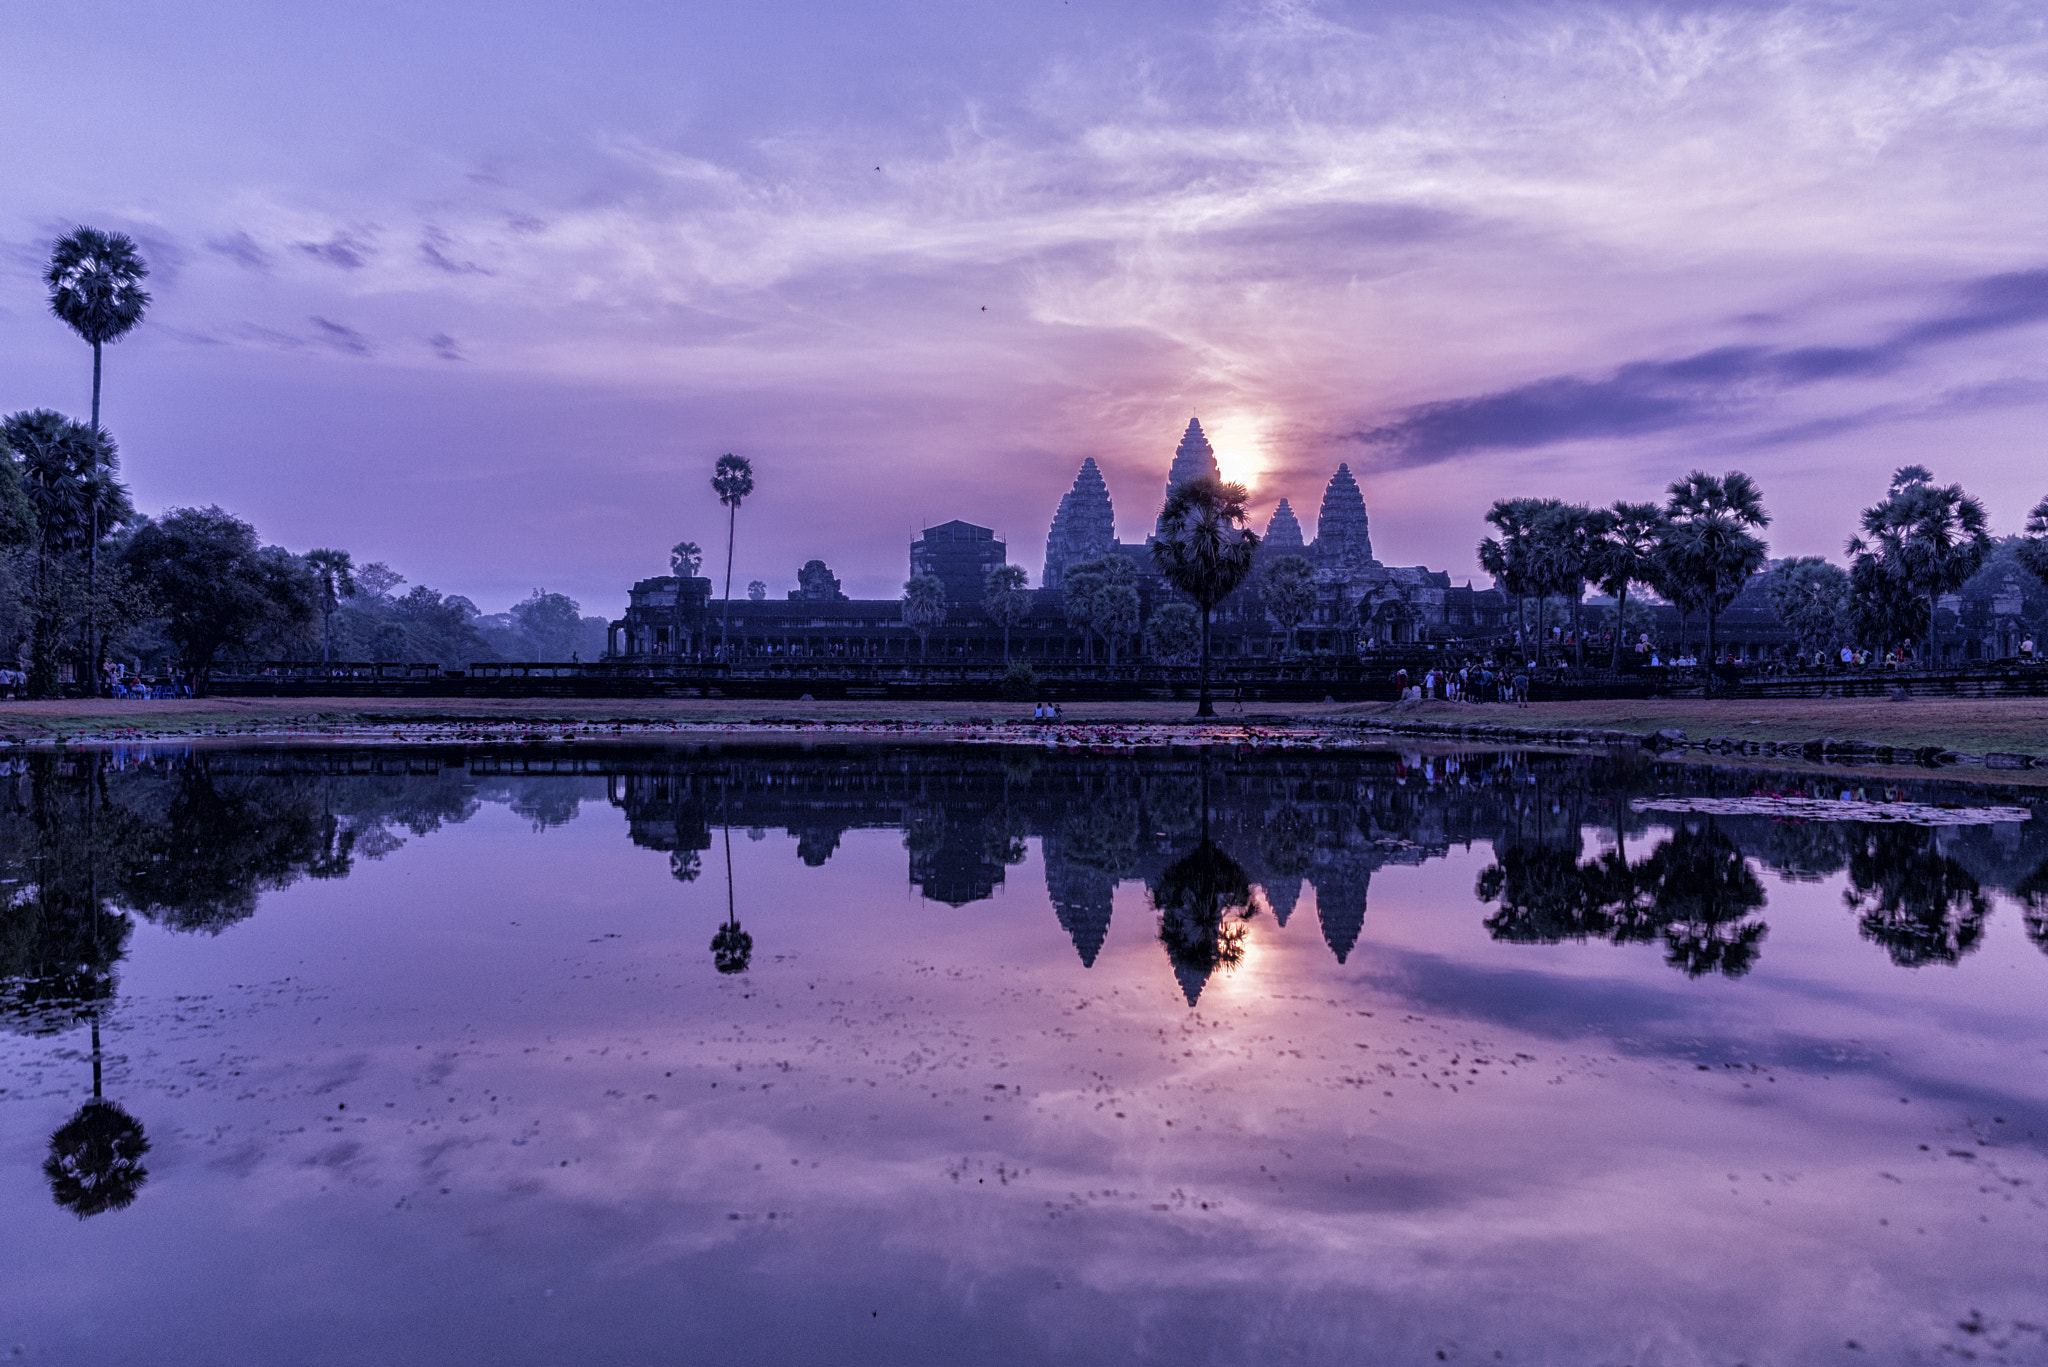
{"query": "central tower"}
pixel 1193 458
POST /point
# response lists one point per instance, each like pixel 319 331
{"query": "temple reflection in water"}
pixel 192 842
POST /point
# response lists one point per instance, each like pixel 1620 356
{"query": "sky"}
pixel 483 290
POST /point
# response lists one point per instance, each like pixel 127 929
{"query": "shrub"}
pixel 1020 683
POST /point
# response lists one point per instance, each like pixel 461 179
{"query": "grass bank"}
pixel 1968 725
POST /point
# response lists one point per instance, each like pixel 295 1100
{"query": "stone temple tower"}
pixel 1342 538
pixel 1283 533
pixel 1193 458
pixel 1083 529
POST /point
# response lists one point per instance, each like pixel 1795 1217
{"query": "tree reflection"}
pixel 1702 891
pixel 1921 905
pixel 1695 892
pixel 95 1159
pixel 732 949
pixel 1204 900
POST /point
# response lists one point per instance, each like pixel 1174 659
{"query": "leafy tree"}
pixel 924 607
pixel 1627 557
pixel 218 587
pixel 1709 551
pixel 1928 537
pixel 1288 590
pixel 1883 609
pixel 66 478
pixel 2031 547
pixel 552 622
pixel 17 515
pixel 1102 596
pixel 733 480
pixel 684 558
pixel 335 571
pixel 1205 550
pixel 1005 599
pixel 95 281
pixel 757 591
pixel 1812 598
pixel 1174 635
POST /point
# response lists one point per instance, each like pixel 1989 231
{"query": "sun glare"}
pixel 1241 442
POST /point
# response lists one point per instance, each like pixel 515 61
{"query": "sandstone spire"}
pixel 1342 536
pixel 1083 529
pixel 1283 532
pixel 1193 458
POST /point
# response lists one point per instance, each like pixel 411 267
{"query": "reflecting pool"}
pixel 915 1054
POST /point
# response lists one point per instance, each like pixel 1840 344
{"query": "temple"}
pixel 1361 605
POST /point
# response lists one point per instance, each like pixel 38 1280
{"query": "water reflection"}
pixel 1695 892
pixel 504 1084
pixel 192 842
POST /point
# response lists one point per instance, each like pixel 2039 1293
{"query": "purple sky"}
pixel 482 290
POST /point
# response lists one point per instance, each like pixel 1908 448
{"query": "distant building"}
pixel 959 555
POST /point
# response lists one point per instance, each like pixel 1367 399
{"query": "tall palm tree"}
pixel 336 572
pixel 95 287
pixel 1512 557
pixel 1709 551
pixel 1005 599
pixel 1928 537
pixel 924 607
pixel 1205 550
pixel 733 479
pixel 1628 556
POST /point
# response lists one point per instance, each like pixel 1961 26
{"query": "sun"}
pixel 1243 446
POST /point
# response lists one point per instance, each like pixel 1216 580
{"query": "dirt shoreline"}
pixel 1965 731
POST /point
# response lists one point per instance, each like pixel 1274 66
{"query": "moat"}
pixel 922 1054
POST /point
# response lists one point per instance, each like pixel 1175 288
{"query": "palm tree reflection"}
pixel 1920 905
pixel 1204 901
pixel 732 949
pixel 95 1159
pixel 1695 893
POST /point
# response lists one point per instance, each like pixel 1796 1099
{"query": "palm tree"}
pixel 1511 558
pixel 1005 599
pixel 1569 540
pixel 1929 537
pixel 94 279
pixel 1628 556
pixel 336 572
pixel 1205 550
pixel 1708 553
pixel 924 607
pixel 733 479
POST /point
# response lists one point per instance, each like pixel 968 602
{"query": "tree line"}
pixel 1700 549
pixel 85 578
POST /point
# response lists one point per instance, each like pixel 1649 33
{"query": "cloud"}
pixel 433 245
pixel 342 337
pixel 350 251
pixel 1644 397
pixel 241 249
pixel 446 347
